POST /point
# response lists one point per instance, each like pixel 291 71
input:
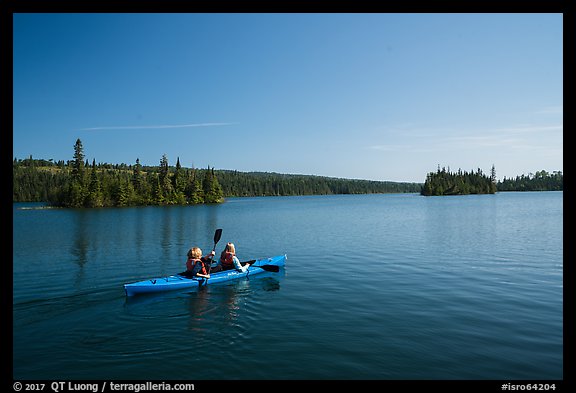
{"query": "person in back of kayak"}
pixel 196 263
pixel 228 259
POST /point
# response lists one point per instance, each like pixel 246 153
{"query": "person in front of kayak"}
pixel 196 265
pixel 228 259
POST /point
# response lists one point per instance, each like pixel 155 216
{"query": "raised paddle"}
pixel 217 236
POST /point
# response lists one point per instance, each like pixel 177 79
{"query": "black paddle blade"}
pixel 270 268
pixel 217 235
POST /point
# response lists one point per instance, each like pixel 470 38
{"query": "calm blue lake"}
pixel 392 287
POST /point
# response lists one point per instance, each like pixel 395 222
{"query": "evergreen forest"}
pixel 79 183
pixel 445 182
pixel 539 181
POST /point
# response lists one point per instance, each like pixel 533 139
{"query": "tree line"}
pixel 539 181
pixel 238 184
pixel 445 182
pixel 78 183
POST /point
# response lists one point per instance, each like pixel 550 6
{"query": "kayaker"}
pixel 228 259
pixel 196 263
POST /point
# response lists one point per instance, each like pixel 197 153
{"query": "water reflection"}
pixel 198 307
pixel 180 235
pixel 226 303
pixel 165 235
pixel 81 244
pixel 183 227
pixel 139 231
pixel 212 216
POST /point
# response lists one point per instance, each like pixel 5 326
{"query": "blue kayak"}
pixel 175 282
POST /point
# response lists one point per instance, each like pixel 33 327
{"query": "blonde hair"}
pixel 230 248
pixel 195 253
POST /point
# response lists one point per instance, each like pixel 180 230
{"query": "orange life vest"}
pixel 227 260
pixel 190 263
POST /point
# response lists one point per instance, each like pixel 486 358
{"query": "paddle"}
pixel 217 236
pixel 268 268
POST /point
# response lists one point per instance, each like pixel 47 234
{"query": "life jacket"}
pixel 196 266
pixel 227 260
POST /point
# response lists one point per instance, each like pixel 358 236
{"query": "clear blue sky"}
pixel 367 96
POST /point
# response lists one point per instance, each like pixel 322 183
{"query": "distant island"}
pixel 77 183
pixel 445 182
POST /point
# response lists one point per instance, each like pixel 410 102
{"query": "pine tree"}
pixel 76 189
pixel 137 176
pixel 157 194
pixel 165 182
pixel 78 163
pixel 177 182
pixel 193 191
pixel 121 194
pixel 212 189
pixel 75 195
pixel 94 196
pixel 492 188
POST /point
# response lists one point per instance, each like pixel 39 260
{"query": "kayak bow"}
pixel 175 282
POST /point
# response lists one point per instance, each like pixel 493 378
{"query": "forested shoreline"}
pixel 539 181
pixel 77 183
pixel 445 182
